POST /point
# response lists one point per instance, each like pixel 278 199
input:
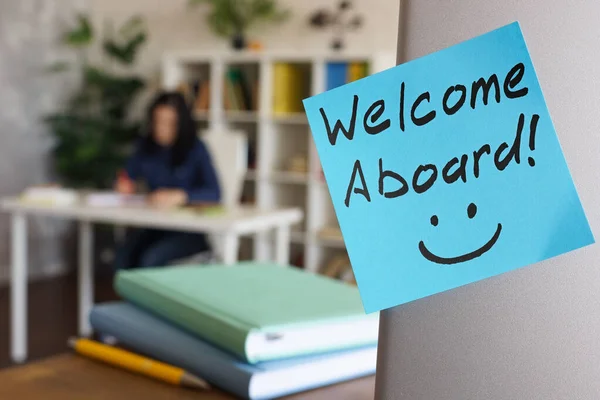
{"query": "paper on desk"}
pixel 113 199
pixel 51 195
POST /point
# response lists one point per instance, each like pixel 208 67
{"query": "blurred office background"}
pixel 31 40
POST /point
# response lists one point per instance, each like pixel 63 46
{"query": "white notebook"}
pixel 113 199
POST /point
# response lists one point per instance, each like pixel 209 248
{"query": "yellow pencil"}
pixel 135 363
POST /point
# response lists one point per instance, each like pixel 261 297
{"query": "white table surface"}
pixel 230 224
pixel 242 220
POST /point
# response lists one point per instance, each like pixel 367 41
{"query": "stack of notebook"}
pixel 259 331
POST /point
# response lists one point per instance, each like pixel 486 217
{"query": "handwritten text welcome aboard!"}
pixel 426 175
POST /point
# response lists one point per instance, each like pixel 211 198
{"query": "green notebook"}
pixel 259 312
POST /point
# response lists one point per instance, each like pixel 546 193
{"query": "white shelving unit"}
pixel 275 137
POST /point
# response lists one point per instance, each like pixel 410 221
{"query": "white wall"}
pixel 174 26
pixel 28 35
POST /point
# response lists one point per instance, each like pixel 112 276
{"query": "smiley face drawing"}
pixel 471 212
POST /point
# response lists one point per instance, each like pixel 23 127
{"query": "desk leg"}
pixel 18 346
pixel 231 245
pixel 282 243
pixel 85 277
pixel 261 246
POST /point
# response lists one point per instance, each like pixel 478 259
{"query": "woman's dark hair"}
pixel 186 127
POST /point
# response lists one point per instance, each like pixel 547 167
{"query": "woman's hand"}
pixel 124 185
pixel 168 198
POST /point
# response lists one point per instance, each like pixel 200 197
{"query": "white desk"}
pixel 230 225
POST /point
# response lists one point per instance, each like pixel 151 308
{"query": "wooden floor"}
pixel 52 315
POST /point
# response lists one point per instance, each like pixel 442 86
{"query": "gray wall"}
pixel 29 31
pixel 533 333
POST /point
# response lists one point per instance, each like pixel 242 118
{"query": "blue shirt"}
pixel 196 175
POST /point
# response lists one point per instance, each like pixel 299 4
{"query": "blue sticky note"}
pixel 446 170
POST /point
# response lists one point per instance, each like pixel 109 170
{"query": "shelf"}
pixel 277 128
pixel 289 177
pixel 241 116
pixel 292 118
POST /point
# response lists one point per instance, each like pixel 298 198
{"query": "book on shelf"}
pixel 339 267
pixel 357 70
pixel 185 89
pixel 336 74
pixel 255 98
pixel 196 94
pixel 340 73
pixel 240 92
pixel 242 89
pixel 289 82
pixel 202 102
pixel 297 164
pixel 232 102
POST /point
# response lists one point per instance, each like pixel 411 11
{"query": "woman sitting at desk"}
pixel 177 170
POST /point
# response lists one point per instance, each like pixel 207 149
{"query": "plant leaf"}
pixel 94 130
pixel 82 35
pixel 125 52
pixel 228 17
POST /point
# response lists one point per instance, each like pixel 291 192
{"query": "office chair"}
pixel 229 152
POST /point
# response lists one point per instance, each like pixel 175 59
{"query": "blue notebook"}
pixel 147 334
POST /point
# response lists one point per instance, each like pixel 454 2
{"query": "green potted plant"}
pixel 94 129
pixel 233 18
